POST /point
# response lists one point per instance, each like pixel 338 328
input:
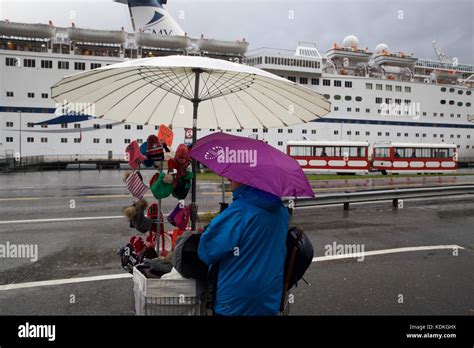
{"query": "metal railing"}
pixel 394 195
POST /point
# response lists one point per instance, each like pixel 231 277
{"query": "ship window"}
pixel 337 83
pixel 304 131
pixel 9 139
pixel 108 141
pixel 139 126
pixel 280 143
pixel 407 101
pixel 424 135
pixel 460 92
pixel 96 140
pixel 417 135
pixel 30 140
pixel 64 140
pixel 398 88
pixel 126 141
pixel 9 124
pixel 435 114
pixel 349 109
pixel 406 135
pixel 336 132
pixel 303 80
pixel 468 104
pixel 443 101
pixel 348 84
pixel 10 61
pixel 290 130
pixel 459 103
pixel 443 89
pixel 337 97
pixel 441 135
pixel 255 130
pixel 388 100
pixel 435 135
pixel 357 133
pixel 30 124
pixel 349 132
pixel 407 89
pixel 451 90
pixel 379 134
pixel 326 82
pixel 451 102
pixel 468 92
pixel 357 109
pixel 398 101
pixel 63 125
pixel 9 94
pixel 95 65
pixel 31 95
pixel 313 131
pixel 47 64
pixel 315 82
pixel 44 95
pixel 336 108
pixel 441 114
pixel 348 98
pixel 77 125
pixel 29 63
pixel 79 66
pixel 358 99
pixel 368 86
pixel 387 134
pixel 378 87
pixel 327 96
pixel 265 130
pixel 367 110
pixel 44 140
pixel 378 100
pixel 63 65
pixel 424 113
pixel 399 134
pixel 77 140
pixel 292 78
pixel 108 126
pixel 280 130
pixel 388 88
pixel 127 126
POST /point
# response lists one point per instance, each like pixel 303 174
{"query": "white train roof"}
pixel 327 143
pixel 422 145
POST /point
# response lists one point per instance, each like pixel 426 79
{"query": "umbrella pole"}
pixel 196 102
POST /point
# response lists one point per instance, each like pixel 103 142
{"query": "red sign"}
pixel 188 133
pixel 165 134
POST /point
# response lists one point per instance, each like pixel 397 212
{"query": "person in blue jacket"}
pixel 248 241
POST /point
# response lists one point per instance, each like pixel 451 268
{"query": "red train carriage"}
pixel 414 158
pixel 348 157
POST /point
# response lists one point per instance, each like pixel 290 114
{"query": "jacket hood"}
pixel 258 198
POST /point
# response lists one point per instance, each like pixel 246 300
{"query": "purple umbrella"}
pixel 254 163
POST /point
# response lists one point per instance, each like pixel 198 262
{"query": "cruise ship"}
pixel 377 95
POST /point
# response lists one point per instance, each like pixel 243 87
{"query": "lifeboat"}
pixel 228 47
pixel 162 41
pixel 96 36
pixel 40 31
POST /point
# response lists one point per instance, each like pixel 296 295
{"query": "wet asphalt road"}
pixel 427 282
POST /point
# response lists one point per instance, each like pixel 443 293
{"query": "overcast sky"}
pixel 404 25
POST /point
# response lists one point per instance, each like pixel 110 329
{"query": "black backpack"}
pixel 299 256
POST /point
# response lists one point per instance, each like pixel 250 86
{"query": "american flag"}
pixel 136 186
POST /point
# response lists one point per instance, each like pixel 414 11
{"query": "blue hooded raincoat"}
pixel 248 240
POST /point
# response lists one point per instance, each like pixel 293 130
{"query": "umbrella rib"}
pixel 168 77
pixel 290 92
pixel 215 114
pixel 217 78
pixel 259 102
pixel 176 107
pixel 250 110
pixel 278 103
pixel 190 95
pixel 141 101
pixel 233 112
pixel 209 73
pixel 222 92
pixel 82 86
pixel 285 107
pixel 215 87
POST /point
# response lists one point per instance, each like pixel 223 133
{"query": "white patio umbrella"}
pixel 169 90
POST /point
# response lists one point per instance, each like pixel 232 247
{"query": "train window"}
pixel 382 152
